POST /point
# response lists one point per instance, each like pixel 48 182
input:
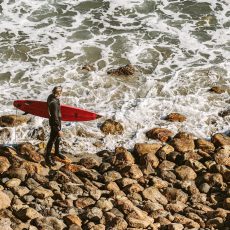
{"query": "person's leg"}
pixel 52 139
pixel 57 151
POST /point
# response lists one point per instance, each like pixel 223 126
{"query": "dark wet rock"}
pixel 124 70
pixel 160 134
pixel 175 117
pixel 224 113
pixel 112 127
pixel 12 120
pixel 217 89
pixel 4 164
pixel 220 140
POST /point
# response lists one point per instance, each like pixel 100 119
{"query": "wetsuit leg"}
pixel 57 143
pixel 52 140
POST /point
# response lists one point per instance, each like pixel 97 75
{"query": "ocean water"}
pixel 180 48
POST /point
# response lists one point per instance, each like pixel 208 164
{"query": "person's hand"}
pixel 60 134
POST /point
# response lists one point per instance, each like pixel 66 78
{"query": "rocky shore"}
pixel 179 182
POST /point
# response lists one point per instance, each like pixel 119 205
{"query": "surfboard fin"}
pixel 98 116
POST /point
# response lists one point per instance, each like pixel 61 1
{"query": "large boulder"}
pixel 111 127
pixel 141 149
pixel 217 89
pixel 205 145
pixel 185 173
pixel 161 134
pixel 123 157
pixel 183 142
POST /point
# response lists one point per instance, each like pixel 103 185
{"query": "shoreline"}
pixel 179 182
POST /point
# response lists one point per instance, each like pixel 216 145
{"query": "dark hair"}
pixel 56 89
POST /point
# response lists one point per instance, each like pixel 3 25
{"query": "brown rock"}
pixel 17 173
pixel 217 89
pixel 4 134
pixel 72 219
pixel 14 182
pixel 150 206
pixel 160 134
pixel 72 188
pixel 124 70
pixel 123 182
pixel 149 162
pixel 215 223
pixel 175 207
pixel 83 202
pixel 222 156
pixel 49 223
pixel 159 183
pixel 32 168
pixel 104 204
pixel 111 127
pixel 175 117
pixel 183 142
pixel 89 162
pixel 95 214
pixel 173 194
pixel 144 148
pixel 4 164
pixel 220 140
pixel 136 222
pixel 133 188
pixel 154 195
pixel 167 165
pixel 5 223
pixel 26 214
pixel 118 223
pixel 175 226
pixel 42 193
pixel 111 176
pixel 114 188
pixel 227 203
pixel 185 221
pixel 132 171
pixel 88 67
pixel 21 190
pixel 12 120
pixel 185 173
pixel 167 149
pixel 4 201
pixel 205 146
pixel 123 156
pixel 27 150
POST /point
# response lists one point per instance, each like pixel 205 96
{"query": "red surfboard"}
pixel 69 113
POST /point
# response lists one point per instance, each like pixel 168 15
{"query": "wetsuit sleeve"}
pixel 54 113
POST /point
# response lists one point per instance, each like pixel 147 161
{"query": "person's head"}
pixel 57 91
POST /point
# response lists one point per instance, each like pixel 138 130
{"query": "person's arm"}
pixel 54 114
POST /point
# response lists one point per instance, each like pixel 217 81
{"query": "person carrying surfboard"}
pixel 54 110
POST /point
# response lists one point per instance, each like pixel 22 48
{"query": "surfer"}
pixel 55 125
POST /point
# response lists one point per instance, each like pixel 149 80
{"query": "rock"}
pixel 38 133
pixel 4 134
pixel 150 206
pixel 27 150
pixel 185 173
pixel 98 227
pixel 123 157
pixel 41 192
pixel 104 204
pixel 220 140
pixel 34 168
pixel 104 167
pixel 166 165
pixel 175 117
pixel 88 67
pixel 114 189
pixel 112 127
pixel 132 171
pixel 90 174
pixel 185 221
pixel 196 165
pixel 215 223
pixel 141 149
pixel 166 149
pixel 21 190
pixel 12 120
pixel 217 89
pixel 169 176
pixel 123 182
pixel 154 195
pixel 4 201
pixel 175 226
pixel 224 113
pixel 83 202
pixel 118 223
pixel 159 183
pixel 72 188
pixel 4 164
pixel 54 186
pixel 32 184
pixel 173 194
pixel 183 142
pixel 17 173
pixel 14 182
pixel 205 146
pixel 176 206
pixel 222 156
pixel 149 162
pixel 25 214
pixel 160 134
pixel 72 219
pixel 49 223
pixel 111 176
pixel 136 222
pixel 74 227
pixel 89 162
pixel 124 70
pixel 94 214
pixel 226 203
pixel 5 224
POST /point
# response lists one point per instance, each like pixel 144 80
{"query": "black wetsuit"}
pixel 55 123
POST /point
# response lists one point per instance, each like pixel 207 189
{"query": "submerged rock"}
pixel 173 117
pixel 160 134
pixel 124 70
pixel 217 89
pixel 12 120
